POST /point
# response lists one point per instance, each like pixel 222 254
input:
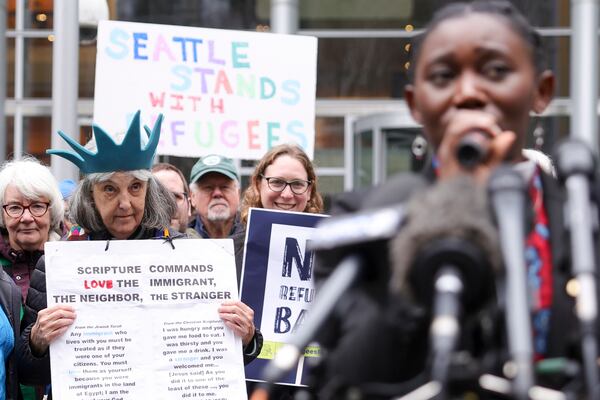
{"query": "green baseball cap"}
pixel 214 163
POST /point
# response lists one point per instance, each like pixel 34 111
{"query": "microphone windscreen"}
pixel 455 210
pixel 397 190
pixel 376 276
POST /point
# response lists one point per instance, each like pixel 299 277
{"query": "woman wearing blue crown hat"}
pixel 118 199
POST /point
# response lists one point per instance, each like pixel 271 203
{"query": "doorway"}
pixel 382 148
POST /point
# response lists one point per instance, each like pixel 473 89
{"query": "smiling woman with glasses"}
pixel 284 179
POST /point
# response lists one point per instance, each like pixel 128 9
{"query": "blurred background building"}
pixel 363 128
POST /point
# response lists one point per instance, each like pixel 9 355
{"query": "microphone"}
pixel 576 166
pixel 508 194
pixel 473 149
pixel 381 217
pixel 367 233
pixel 358 228
pixel 445 258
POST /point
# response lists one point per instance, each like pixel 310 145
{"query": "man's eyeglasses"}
pixel 209 189
pixel 298 186
pixel 37 209
pixel 180 197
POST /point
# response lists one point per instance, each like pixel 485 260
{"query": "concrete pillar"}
pixel 285 16
pixel 65 81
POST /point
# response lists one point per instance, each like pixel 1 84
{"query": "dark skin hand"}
pixel 499 144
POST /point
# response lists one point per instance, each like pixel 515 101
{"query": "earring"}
pixel 419 147
pixel 538 136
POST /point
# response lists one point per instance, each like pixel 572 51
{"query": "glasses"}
pixel 35 209
pixel 180 197
pixel 298 186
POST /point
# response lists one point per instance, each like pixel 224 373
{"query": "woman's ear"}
pixel 544 91
pixel 409 96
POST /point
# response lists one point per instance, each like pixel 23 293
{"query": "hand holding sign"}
pixel 51 323
pixel 144 294
pixel 238 317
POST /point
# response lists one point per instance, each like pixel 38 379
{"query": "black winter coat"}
pixel 10 301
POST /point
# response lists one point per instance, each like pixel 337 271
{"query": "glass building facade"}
pixel 363 130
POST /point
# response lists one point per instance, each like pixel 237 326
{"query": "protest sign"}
pixel 234 93
pixel 277 282
pixel 147 325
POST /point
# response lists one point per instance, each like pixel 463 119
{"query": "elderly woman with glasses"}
pixel 32 210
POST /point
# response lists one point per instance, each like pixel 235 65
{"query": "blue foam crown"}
pixel 110 156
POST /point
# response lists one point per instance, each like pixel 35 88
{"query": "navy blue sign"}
pixel 277 282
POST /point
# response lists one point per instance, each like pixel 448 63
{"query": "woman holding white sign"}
pixel 118 199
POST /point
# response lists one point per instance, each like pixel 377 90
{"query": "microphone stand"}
pixel 576 166
pixel 445 327
pixel 342 278
pixel 460 271
pixel 507 195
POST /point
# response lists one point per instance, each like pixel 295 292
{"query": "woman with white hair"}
pixel 32 209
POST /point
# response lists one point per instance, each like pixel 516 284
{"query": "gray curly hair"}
pixel 158 209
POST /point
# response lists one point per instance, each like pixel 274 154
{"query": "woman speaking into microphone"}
pixel 478 75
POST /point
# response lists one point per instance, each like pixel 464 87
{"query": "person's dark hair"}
pixel 170 167
pixel 502 8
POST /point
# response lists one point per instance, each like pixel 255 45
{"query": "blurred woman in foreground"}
pixel 478 73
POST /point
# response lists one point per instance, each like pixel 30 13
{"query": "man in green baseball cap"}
pixel 214 181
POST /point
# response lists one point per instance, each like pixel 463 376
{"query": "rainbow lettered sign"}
pixel 229 92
